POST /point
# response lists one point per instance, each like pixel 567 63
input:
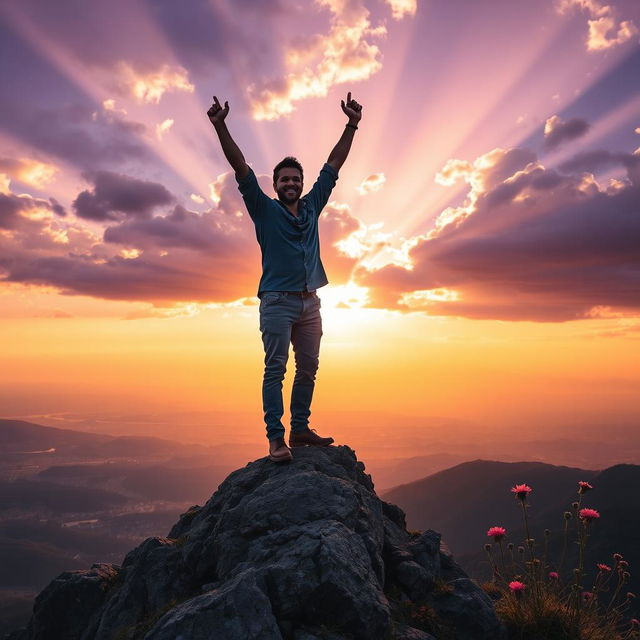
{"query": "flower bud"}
pixel 567 515
pixel 487 547
pixel 575 505
pixel 510 546
pixel 547 533
pixel 520 549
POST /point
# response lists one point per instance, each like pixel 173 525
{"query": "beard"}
pixel 288 198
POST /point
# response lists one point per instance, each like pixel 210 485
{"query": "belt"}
pixel 302 294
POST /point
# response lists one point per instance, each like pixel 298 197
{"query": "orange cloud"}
pixel 402 8
pixel 163 127
pixel 346 54
pixel 373 183
pixel 150 87
pixel 32 172
pixel 605 31
pixel 529 243
pixel 148 253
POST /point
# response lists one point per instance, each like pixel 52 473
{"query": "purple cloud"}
pixel 72 134
pixel 539 245
pixel 557 131
pixel 182 256
pixel 114 194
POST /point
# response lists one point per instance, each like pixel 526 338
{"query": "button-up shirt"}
pixel 290 245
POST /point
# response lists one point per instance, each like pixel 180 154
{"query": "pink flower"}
pixel 604 567
pixel 635 623
pixel 587 596
pixel 583 486
pixel 588 515
pixel 517 587
pixel 617 557
pixel 497 533
pixel 522 491
pixel 554 575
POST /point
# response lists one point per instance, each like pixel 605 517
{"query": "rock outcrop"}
pixel 303 550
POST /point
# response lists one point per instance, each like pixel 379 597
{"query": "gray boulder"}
pixel 303 550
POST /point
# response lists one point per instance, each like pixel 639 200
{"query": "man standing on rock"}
pixel 287 231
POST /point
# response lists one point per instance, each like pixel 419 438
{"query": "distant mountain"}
pixel 464 501
pixel 26 438
pixel 69 498
pixel 25 495
pixel 21 436
pixel 388 474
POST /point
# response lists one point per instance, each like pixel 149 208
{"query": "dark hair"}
pixel 288 163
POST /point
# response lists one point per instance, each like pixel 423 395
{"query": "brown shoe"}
pixel 278 450
pixel 308 437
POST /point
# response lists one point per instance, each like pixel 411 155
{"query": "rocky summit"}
pixel 303 550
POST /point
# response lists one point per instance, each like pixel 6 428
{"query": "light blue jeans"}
pixel 286 318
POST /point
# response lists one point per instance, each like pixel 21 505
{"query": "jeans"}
pixel 289 318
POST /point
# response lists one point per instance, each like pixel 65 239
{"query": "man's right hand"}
pixel 217 113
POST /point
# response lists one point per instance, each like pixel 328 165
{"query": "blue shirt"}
pixel 290 245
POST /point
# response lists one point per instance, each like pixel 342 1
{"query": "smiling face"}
pixel 288 185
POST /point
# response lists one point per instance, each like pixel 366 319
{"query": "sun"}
pixel 343 307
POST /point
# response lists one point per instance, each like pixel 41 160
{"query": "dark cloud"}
pixel 599 160
pixel 57 208
pixel 12 207
pixel 115 194
pixel 539 245
pixel 183 256
pixel 557 131
pixel 182 228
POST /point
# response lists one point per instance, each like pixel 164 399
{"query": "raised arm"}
pixel 339 153
pixel 232 152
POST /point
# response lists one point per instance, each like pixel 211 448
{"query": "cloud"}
pixel 167 259
pixel 76 133
pixel 605 30
pixel 605 33
pixel 488 170
pixel 599 160
pixel 32 172
pixel 557 131
pixel 115 194
pixel 163 127
pixel 373 183
pixel 336 224
pixel 150 86
pixel 535 244
pixel 402 8
pixel 346 54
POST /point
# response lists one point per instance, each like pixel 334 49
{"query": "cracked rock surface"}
pixel 303 550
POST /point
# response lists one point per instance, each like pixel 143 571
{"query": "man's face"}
pixel 288 186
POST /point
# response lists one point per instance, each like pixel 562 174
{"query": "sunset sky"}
pixel 482 243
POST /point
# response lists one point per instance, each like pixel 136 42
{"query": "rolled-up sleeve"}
pixel 254 197
pixel 321 190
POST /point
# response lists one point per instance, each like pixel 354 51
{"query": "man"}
pixel 287 231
